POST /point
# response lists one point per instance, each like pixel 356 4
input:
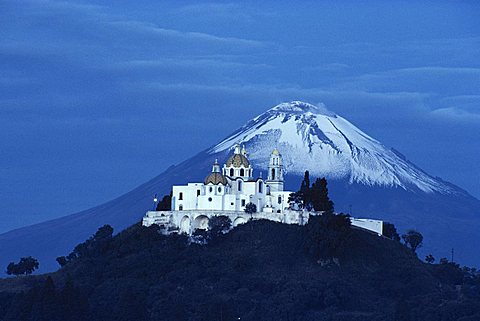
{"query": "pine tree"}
pixel 319 196
pixel 306 192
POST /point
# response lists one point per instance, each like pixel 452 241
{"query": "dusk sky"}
pixel 97 97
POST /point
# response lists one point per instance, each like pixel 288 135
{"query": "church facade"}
pixel 233 186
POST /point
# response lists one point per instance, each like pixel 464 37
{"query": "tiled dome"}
pixel 215 179
pixel 237 160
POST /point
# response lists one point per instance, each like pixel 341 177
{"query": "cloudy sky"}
pixel 97 97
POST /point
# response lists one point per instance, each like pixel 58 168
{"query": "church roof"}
pixel 237 160
pixel 215 179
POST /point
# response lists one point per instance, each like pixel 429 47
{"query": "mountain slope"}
pixel 364 176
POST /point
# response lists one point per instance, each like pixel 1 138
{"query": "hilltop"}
pixel 258 271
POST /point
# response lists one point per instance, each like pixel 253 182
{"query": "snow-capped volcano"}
pixel 311 137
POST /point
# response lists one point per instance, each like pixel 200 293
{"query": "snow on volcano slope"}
pixel 311 137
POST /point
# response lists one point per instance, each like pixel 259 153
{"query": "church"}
pixel 230 191
pixel 233 186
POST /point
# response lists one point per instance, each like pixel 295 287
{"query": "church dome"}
pixel 237 160
pixel 215 179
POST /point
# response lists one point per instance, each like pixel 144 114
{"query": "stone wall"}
pixel 189 221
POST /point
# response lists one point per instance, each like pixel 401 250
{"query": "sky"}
pixel 97 97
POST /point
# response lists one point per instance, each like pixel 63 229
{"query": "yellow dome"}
pixel 237 160
pixel 215 179
pixel 275 152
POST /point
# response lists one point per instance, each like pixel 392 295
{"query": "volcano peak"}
pixel 300 107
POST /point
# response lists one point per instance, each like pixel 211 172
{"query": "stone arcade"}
pixel 227 191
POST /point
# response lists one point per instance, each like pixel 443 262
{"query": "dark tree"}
pixel 305 191
pixel 413 239
pixel 26 266
pixel 250 208
pixel 165 204
pixel 429 258
pixel 319 196
pixel 390 231
pixel 443 260
pixel 326 234
pixel 103 233
pixel 296 200
pixel 218 225
pixel 97 243
pixel 62 261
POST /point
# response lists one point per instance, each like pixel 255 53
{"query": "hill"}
pixel 259 271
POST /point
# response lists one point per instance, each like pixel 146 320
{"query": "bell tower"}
pixel 275 172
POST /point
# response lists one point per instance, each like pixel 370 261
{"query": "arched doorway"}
pixel 239 220
pixel 185 224
pixel 201 222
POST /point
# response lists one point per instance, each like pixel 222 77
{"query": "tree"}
pixel 443 260
pixel 319 198
pixel 390 231
pixel 218 225
pixel 305 191
pixel 103 233
pixel 250 208
pixel 165 204
pixel 62 261
pixel 413 240
pixel 326 234
pixel 295 200
pixel 429 259
pixel 25 266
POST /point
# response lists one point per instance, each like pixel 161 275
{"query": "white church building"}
pixel 232 187
pixel 227 190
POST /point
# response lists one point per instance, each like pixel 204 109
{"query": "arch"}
pixel 180 207
pixel 239 186
pixel 239 220
pixel 180 196
pixel 242 172
pixel 260 187
pixel 273 173
pixel 185 224
pixel 200 222
pixel 231 172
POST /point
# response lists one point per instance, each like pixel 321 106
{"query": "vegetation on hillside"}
pixel 259 271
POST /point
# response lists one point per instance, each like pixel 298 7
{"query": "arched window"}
pixel 180 196
pixel 210 189
pixel 219 189
pixel 260 187
pixel 273 173
pixel 180 208
pixel 231 172
pixel 279 200
pixel 242 172
pixel 239 185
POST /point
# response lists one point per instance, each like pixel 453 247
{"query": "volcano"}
pixel 366 179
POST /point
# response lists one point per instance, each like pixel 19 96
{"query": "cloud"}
pixel 457 115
